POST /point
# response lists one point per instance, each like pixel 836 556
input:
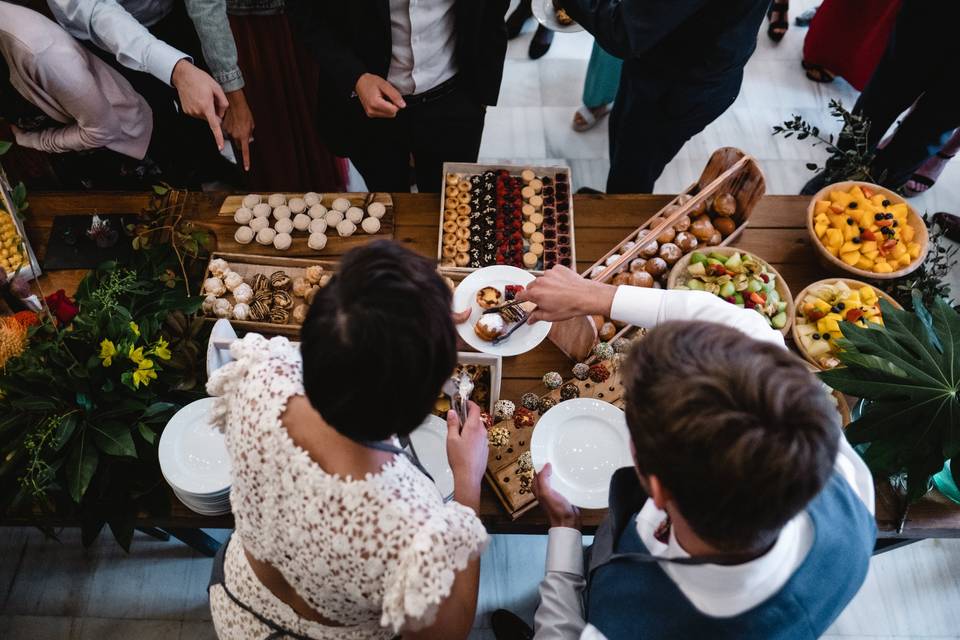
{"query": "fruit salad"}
pixel 866 230
pixel 739 279
pixel 822 310
pixel 11 247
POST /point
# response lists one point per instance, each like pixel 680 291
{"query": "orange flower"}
pixel 13 339
pixel 27 318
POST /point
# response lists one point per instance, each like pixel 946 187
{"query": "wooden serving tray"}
pixel 502 473
pixel 728 170
pixel 472 168
pixel 336 246
pixel 248 266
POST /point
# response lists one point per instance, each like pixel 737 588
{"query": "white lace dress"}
pixel 375 554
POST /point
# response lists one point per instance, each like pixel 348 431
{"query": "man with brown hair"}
pixel 747 514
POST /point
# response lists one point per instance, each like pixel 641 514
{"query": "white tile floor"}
pixel 51 590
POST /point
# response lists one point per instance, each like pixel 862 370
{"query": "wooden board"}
pixel 503 474
pixel 728 170
pixel 336 246
pixel 466 170
pixel 248 266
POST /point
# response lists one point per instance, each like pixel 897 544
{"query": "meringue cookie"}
pixel 317 241
pixel 266 235
pixel 317 211
pixel 340 204
pixel 232 280
pixel 318 226
pixel 333 217
pixel 276 200
pixel 241 311
pixel 376 209
pixel 346 228
pixel 252 200
pixel 244 235
pixel 370 225
pixel 282 241
pixel 218 267
pixel 259 223
pixel 208 302
pixel 284 225
pixel 243 293
pixel 313 273
pixel 222 308
pixel 312 198
pixel 297 205
pixel 354 215
pixel 281 212
pixel 262 210
pixel 242 215
pixel 301 221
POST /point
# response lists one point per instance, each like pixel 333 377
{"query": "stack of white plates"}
pixel 194 460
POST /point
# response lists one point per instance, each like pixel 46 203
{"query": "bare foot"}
pixel 927 174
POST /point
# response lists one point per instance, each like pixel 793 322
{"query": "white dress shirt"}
pixel 120 27
pixel 715 590
pixel 422 37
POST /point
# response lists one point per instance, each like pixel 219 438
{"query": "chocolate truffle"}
pixel 552 380
pixel 530 400
pixel 503 409
pixel 603 350
pixel 580 371
pixel 546 403
pixel 570 391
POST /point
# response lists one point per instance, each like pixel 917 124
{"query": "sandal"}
pixel 926 182
pixel 778 28
pixel 818 73
pixel 589 118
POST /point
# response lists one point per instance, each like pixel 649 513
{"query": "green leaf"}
pixel 5 146
pixel 157 408
pixel 946 322
pixel 161 190
pixel 114 438
pixel 880 420
pixel 64 431
pixel 878 341
pixel 122 529
pixel 81 465
pixel 906 327
pixel 147 433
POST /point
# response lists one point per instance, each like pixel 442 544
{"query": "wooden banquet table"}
pixel 776 232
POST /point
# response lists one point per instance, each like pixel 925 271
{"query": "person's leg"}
pixel 516 20
pixel 928 172
pixel 650 126
pixel 445 130
pixel 599 89
pixel 380 150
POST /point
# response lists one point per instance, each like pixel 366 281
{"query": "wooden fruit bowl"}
pixel 853 284
pixel 921 236
pixel 678 275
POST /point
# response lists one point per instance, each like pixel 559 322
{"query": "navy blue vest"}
pixel 633 600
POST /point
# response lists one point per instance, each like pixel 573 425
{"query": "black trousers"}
pixel 653 117
pixel 920 64
pixel 447 129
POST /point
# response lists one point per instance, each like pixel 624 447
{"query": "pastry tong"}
pixel 511 312
pixel 459 390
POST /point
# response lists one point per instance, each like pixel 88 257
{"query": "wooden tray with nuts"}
pixel 262 293
pixel 712 212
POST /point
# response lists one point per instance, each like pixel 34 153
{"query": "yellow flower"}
pixel 144 373
pixel 135 328
pixel 107 351
pixel 162 349
pixel 135 355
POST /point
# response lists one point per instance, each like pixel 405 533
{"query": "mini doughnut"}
pixel 464 198
pixel 449 226
pixel 462 259
pixel 463 246
pixel 449 214
pixel 451 203
pixel 449 251
pixel 463 209
pixel 450 239
pixel 452 179
pixel 452 191
pixel 463 233
pixel 463 185
pixel 463 222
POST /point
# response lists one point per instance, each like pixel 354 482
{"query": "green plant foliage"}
pixel 82 408
pixel 909 371
pixel 931 278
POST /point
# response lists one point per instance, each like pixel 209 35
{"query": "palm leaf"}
pixel 880 342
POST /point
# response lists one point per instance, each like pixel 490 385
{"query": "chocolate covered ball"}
pixel 530 401
pixel 580 371
pixel 570 391
pixel 552 380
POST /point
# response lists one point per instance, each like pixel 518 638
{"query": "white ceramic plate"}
pixel 218 354
pixel 193 453
pixel 546 14
pixel 430 442
pixel 585 440
pixel 499 276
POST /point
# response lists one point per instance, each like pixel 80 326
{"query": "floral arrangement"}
pixel 87 386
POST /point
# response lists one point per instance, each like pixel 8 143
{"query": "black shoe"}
pixel 542 39
pixel 518 18
pixel 507 626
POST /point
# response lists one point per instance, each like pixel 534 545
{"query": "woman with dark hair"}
pixel 338 533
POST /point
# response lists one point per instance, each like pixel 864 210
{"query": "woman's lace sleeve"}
pixel 427 566
pixel 227 383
